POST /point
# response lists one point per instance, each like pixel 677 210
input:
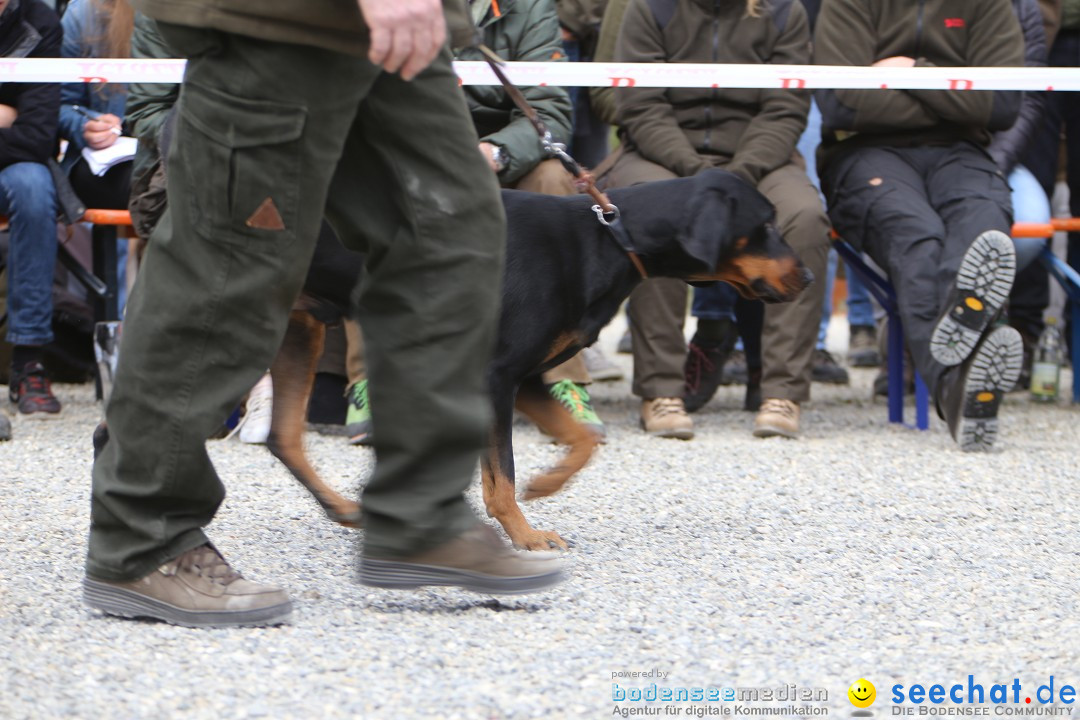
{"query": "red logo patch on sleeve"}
pixel 955 23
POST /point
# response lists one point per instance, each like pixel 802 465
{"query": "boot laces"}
pixel 207 562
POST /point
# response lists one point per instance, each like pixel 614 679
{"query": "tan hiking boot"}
pixel 477 560
pixel 197 589
pixel 666 418
pixel 777 418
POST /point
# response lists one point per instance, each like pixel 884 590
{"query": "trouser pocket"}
pixel 240 164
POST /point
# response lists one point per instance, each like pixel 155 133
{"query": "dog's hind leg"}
pixel 293 374
pixel 535 401
pixel 497 478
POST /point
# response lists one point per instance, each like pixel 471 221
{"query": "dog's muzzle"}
pixel 794 284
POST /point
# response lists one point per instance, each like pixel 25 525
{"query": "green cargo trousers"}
pixel 270 136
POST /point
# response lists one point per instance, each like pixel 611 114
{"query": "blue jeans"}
pixel 1029 205
pixel 28 198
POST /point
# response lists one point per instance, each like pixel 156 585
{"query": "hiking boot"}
pixel 5 428
pixel 981 288
pixel 601 368
pixel 825 369
pixel 254 427
pixel 476 560
pixel 30 390
pixel 666 418
pixel 735 372
pixel 777 418
pixel 863 347
pixel 575 399
pixel 358 415
pixel 197 589
pixel 968 396
pixel 702 373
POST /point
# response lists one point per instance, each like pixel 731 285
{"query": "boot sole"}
pixel 994 370
pixel 768 431
pixel 129 604
pixel 406 576
pixel 982 287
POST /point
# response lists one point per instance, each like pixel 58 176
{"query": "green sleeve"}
pixel 646 113
pixel 539 41
pixel 769 141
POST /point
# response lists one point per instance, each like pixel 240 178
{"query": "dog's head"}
pixel 727 233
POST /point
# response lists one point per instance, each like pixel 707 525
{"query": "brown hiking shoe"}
pixel 666 418
pixel 477 560
pixel 197 589
pixel 777 418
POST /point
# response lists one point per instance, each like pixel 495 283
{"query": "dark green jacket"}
pixel 333 24
pixel 937 33
pixel 750 131
pixel 527 31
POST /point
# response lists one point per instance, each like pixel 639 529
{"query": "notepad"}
pixel 100 161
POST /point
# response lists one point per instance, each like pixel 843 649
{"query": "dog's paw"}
pixel 549 483
pixel 348 515
pixel 534 539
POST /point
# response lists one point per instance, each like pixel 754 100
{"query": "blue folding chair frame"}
pixel 885 295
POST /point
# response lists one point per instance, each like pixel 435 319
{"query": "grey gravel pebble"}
pixel 859 550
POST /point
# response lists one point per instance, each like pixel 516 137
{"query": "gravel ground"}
pixel 859 550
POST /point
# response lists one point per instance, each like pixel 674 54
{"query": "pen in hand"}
pixel 93 115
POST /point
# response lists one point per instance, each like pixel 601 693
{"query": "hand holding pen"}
pixel 101 129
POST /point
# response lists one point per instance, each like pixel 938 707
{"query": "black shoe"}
pixel 5 428
pixel 702 372
pixel 863 347
pixel 981 288
pixel 735 372
pixel 29 388
pixel 826 370
pixel 969 395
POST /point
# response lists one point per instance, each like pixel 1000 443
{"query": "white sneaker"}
pixel 254 428
pixel 601 368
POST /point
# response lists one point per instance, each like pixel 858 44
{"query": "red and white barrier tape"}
pixel 686 75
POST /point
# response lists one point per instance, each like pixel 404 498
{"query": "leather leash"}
pixel 607 213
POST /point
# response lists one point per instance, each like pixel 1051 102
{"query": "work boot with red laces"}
pixel 29 388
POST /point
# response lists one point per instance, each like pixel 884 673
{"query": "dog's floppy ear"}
pixel 721 208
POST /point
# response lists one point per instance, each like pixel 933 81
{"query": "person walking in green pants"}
pixel 289 112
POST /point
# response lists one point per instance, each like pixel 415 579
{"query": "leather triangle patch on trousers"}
pixel 266 217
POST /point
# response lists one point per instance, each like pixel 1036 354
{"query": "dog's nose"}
pixel 807 276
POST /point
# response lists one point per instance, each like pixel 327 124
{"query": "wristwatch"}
pixel 498 156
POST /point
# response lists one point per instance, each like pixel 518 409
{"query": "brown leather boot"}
pixel 666 418
pixel 477 560
pixel 197 589
pixel 778 417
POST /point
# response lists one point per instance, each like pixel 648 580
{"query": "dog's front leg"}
pixel 293 374
pixel 536 402
pixel 497 476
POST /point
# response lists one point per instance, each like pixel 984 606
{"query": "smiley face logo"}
pixel 862 693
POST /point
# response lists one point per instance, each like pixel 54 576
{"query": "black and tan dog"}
pixel 565 278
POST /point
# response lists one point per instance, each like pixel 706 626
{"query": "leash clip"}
pixel 601 215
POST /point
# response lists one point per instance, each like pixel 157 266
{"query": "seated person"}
pixel 28 116
pixel 92 116
pixel 678 132
pixel 908 179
